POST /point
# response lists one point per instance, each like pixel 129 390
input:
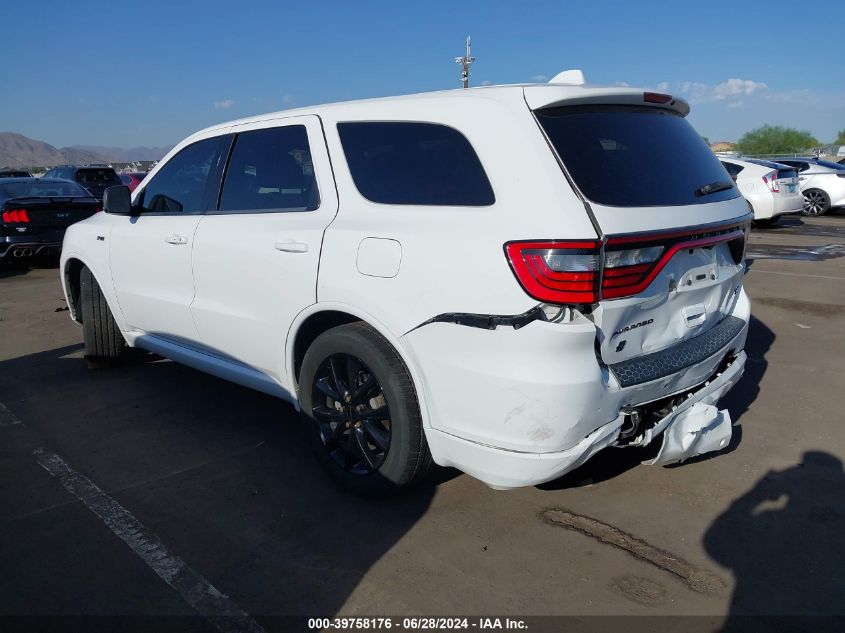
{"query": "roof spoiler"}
pixel 573 77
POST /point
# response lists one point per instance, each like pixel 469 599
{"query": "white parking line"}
pixel 7 418
pixel 224 614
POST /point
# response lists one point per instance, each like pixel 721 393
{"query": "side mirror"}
pixel 117 200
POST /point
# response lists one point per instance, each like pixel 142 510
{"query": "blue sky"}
pixel 151 72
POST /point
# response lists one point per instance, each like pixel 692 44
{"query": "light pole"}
pixel 465 62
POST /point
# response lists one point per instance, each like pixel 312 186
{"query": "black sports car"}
pixel 34 213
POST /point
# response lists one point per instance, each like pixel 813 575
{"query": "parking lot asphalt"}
pixel 219 481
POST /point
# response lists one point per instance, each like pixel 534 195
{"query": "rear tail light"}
pixel 771 180
pixel 15 215
pixel 626 269
pixel 557 271
pixel 586 271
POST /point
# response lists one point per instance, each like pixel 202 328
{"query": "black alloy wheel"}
pixel 351 413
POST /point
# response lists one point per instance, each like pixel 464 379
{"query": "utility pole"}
pixel 465 62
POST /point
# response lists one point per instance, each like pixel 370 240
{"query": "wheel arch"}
pixel 318 318
pixel 71 267
pixel 71 271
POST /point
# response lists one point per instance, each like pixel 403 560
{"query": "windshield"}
pixel 42 188
pixel 631 156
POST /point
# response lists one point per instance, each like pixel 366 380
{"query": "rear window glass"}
pixel 42 188
pixel 97 176
pixel 634 156
pixel 831 165
pixel 732 168
pixel 414 164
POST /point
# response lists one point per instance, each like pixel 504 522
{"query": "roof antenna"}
pixel 465 61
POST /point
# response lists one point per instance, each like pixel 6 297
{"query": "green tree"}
pixel 775 139
pixel 840 139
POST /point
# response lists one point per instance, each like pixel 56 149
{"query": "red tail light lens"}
pixel 771 180
pixel 557 271
pixel 15 215
pixel 626 269
pixel 586 271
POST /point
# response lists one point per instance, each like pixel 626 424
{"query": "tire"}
pixel 816 202
pixel 381 411
pixel 103 339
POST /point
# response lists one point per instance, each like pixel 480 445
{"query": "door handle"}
pixel 291 247
pixel 176 239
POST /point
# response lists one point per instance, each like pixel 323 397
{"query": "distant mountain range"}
pixel 17 150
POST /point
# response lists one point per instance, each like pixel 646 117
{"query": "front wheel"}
pixel 103 339
pixel 816 202
pixel 366 419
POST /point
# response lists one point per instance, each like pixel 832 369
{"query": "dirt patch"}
pixel 804 307
pixel 640 590
pixel 699 580
pixel 795 253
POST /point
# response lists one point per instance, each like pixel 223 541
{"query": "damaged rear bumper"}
pixel 692 428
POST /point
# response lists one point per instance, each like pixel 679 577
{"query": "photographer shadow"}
pixel 782 541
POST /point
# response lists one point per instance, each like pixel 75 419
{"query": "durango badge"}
pixel 633 326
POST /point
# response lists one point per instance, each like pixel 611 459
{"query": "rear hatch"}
pixel 671 225
pixel 783 179
pixel 97 179
pixel 44 217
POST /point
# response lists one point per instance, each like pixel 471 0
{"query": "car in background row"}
pixel 95 178
pixel 35 212
pixel 822 183
pixel 14 173
pixel 132 179
pixel 770 188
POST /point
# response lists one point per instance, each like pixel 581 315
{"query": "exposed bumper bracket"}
pixel 700 429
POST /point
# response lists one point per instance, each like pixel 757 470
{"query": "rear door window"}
pixel 270 170
pixel 414 164
pixel 630 156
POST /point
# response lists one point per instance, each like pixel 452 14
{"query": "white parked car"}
pixel 504 279
pixel 771 189
pixel 822 183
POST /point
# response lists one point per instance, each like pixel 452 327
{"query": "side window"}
pixel 803 166
pixel 180 186
pixel 270 170
pixel 733 169
pixel 414 164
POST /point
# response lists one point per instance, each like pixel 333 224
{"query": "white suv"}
pixel 505 279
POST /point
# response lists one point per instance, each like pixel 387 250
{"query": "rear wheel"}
pixel 367 426
pixel 816 202
pixel 103 339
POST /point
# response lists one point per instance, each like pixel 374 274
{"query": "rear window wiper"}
pixel 713 187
